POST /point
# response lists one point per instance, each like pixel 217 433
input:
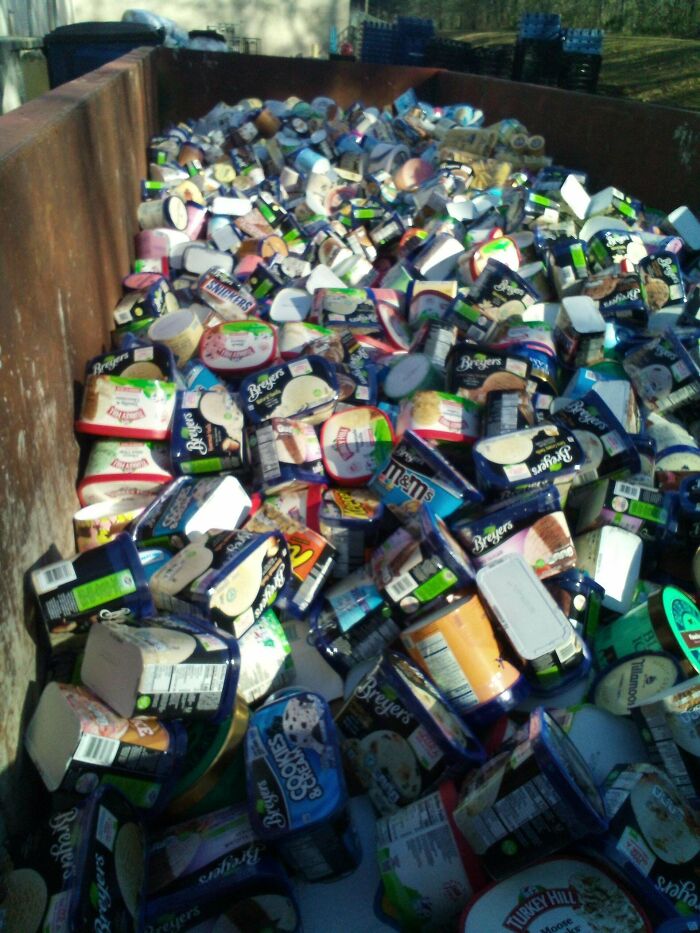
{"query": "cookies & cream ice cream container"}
pixel 297 797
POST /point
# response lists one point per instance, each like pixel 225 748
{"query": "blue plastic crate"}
pixel 586 41
pixel 539 26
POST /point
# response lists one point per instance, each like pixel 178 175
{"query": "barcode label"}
pixel 183 678
pixel 267 452
pixel 122 317
pixel 96 750
pixel 446 671
pixel 628 490
pixel 679 397
pixel 48 578
pixel 401 586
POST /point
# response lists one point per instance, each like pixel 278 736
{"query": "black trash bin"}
pixel 72 51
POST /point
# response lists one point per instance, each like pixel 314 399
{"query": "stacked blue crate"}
pixel 538 48
pixel 414 34
pixel 379 43
pixel 581 60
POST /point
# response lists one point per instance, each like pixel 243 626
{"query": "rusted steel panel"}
pixel 70 164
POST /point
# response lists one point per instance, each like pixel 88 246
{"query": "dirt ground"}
pixel 656 70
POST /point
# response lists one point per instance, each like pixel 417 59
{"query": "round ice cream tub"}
pixel 400 736
pixel 180 330
pixel 457 648
pixel 355 443
pixel 106 582
pixel 297 798
pixel 101 522
pixel 653 837
pixel 668 621
pixel 633 680
pixel 428 872
pixel 557 895
pixel 213 772
pixel 529 801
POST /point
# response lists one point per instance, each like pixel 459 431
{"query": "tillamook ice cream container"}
pixel 428 872
pixel 296 788
pixel 529 801
pixel 668 621
pixel 400 737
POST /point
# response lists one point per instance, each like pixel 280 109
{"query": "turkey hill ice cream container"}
pixel 167 666
pixel 440 416
pixel 654 837
pixel 115 406
pixel 529 801
pixel 473 372
pixel 101 522
pixel 457 647
pixel 297 797
pixel 230 577
pixel 289 454
pixel 120 469
pixel 305 388
pixel 668 621
pixel 413 574
pixel 531 524
pixel 548 649
pixel 208 435
pixel 355 443
pixel 670 726
pixel 400 737
pixel 101 583
pixel 353 623
pixel 236 348
pixel 634 680
pixel 213 869
pixel 416 473
pixel 428 872
pixel 556 895
pixel 192 505
pixel 351 520
pixel 77 743
pixel 518 461
pixel 609 449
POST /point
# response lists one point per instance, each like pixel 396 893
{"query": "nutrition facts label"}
pixel 183 678
pixel 446 671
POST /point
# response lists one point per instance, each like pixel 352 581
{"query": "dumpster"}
pixel 71 164
pixel 75 49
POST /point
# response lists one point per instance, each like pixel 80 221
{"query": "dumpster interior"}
pixel 71 163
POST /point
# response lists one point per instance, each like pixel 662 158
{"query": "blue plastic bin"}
pixel 72 51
